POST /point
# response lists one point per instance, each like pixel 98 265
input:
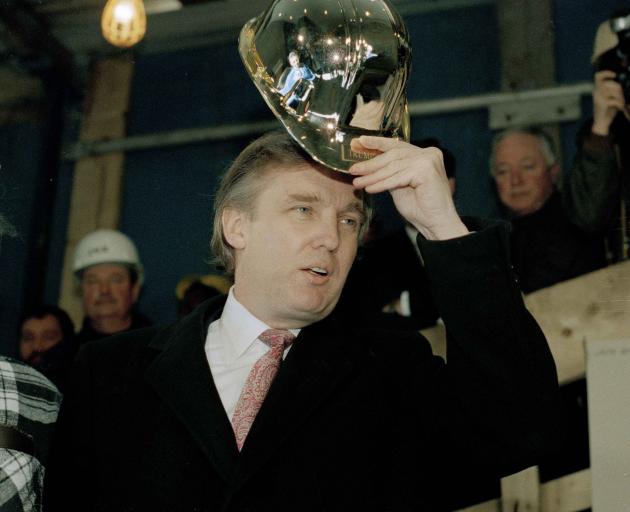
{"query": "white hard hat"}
pixel 106 246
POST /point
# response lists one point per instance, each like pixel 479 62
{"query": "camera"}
pixel 617 59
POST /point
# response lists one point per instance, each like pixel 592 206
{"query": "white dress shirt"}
pixel 405 299
pixel 232 348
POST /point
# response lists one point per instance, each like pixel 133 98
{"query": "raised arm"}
pixel 593 185
pixel 417 181
pixel 496 400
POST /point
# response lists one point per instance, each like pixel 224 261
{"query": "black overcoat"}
pixel 356 419
pixel 386 268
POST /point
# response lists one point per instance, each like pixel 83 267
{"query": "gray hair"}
pixel 241 184
pixel 547 146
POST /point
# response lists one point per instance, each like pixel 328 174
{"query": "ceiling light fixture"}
pixel 124 22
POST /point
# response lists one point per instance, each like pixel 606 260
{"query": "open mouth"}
pixel 318 271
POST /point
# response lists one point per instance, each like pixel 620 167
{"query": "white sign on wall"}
pixel 608 384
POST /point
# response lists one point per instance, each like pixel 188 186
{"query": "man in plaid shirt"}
pixel 29 403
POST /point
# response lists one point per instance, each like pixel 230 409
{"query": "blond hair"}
pixel 241 184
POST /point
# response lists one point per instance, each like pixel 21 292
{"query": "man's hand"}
pixel 608 99
pixel 417 181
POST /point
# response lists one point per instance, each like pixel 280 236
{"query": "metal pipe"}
pixel 84 149
pixel 423 108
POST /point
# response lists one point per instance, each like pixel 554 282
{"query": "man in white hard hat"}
pixel 107 264
pixel 600 177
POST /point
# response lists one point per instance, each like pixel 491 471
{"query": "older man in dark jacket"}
pixel 548 246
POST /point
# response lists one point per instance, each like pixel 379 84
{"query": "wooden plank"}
pixel 486 506
pixel 527 43
pixel 97 184
pixel 107 100
pixel 592 306
pixel 521 491
pixel 567 494
pixel 437 338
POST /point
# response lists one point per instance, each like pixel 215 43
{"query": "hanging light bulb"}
pixel 124 22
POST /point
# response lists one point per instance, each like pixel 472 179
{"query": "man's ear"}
pixel 135 290
pixel 452 185
pixel 554 171
pixel 234 222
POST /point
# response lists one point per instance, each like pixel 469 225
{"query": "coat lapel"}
pixel 182 378
pixel 314 367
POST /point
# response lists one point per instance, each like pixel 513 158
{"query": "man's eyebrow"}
pixel 305 198
pixel 358 207
pixel 354 206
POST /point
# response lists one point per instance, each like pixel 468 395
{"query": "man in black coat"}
pixel 387 286
pixel 355 419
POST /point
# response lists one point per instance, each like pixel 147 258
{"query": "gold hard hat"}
pixel 331 70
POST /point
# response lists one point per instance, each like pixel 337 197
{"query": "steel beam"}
pixel 231 131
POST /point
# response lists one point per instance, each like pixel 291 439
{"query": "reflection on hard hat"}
pixel 331 74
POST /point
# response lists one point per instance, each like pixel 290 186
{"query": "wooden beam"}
pixel 568 493
pixel 486 506
pixel 97 185
pixel 527 42
pixel 592 306
pixel 521 491
pixel 28 34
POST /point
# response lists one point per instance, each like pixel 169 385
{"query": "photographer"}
pixel 599 184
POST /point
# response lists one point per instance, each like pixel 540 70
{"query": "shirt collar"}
pixel 240 328
pixel 412 234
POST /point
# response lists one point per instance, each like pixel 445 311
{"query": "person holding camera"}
pixel 599 183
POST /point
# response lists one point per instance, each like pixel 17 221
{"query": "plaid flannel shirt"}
pixel 29 402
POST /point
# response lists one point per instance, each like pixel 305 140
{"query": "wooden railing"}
pixel 592 307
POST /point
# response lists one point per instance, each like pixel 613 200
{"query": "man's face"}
pixel 108 291
pixel 524 179
pixel 37 336
pixel 294 250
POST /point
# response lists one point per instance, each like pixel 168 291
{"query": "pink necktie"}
pixel 258 382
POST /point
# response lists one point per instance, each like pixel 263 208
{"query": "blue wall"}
pixel 168 192
pixel 20 178
pixel 167 199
